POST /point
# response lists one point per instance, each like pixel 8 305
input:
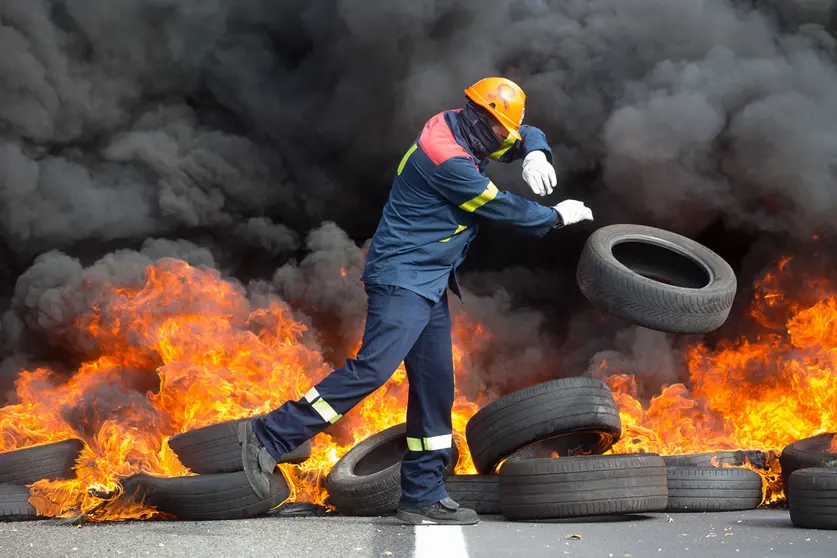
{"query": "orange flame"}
pixel 204 355
pixel 761 394
pixel 215 359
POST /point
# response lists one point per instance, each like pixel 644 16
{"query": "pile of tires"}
pixel 220 489
pixel 22 467
pixel 514 442
pixel 809 473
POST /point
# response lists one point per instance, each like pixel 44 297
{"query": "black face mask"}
pixel 477 132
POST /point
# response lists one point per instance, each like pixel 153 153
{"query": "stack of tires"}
pixel 809 473
pixel 19 468
pixel 514 442
pixel 220 489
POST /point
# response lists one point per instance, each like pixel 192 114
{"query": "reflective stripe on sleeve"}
pixel 406 156
pixel 459 229
pixel 414 444
pixel 487 195
pixel 322 407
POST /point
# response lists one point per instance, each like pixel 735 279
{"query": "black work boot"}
pixel 258 463
pixel 446 512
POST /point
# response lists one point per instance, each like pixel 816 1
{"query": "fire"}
pixel 187 349
pixel 210 357
pixel 748 394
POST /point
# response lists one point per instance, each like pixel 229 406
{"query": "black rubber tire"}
pixel 696 298
pixel 757 458
pixel 477 492
pixel 206 497
pixel 712 489
pixel 361 490
pixel 806 454
pixel 215 449
pixel 571 414
pixel 14 504
pixel 48 461
pixel 583 486
pixel 813 498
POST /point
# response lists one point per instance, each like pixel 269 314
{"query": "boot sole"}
pixel 418 519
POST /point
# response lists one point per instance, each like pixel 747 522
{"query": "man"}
pixel 439 195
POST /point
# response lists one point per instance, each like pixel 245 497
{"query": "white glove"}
pixel 538 173
pixel 573 211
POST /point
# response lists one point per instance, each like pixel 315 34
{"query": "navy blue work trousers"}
pixel 400 326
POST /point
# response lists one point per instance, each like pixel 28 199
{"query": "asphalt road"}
pixel 757 533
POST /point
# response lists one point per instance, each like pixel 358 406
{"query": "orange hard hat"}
pixel 503 98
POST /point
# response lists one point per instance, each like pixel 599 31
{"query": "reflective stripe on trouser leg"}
pixel 431 443
pixel 430 373
pixel 322 407
pixel 395 318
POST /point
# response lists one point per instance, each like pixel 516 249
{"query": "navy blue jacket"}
pixel 438 196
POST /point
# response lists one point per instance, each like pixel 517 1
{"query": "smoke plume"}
pixel 260 138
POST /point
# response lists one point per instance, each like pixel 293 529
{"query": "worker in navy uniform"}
pixel 438 198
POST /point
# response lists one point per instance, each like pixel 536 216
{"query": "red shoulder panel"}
pixel 438 142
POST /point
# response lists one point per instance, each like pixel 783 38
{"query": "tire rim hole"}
pixel 383 456
pixel 661 264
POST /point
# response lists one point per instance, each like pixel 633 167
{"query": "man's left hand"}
pixel 539 173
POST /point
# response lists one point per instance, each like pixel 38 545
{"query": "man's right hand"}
pixel 573 211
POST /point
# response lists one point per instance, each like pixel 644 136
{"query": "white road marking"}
pixel 437 541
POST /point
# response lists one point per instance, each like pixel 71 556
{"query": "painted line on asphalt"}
pixel 436 541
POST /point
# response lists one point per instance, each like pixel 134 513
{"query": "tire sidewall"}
pixel 602 241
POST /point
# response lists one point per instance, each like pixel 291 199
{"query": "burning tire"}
pixel 569 416
pixel 656 279
pixel 804 454
pixel 812 498
pixel 216 449
pixel 583 486
pixel 477 492
pixel 757 458
pixel 367 480
pixel 206 497
pixel 49 461
pixel 14 503
pixel 712 489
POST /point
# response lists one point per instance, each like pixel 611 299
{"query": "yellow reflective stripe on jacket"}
pixel 429 444
pixel 459 229
pixel 508 143
pixel 487 195
pixel 322 407
pixel 406 156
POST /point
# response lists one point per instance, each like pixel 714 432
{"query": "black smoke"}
pixel 260 137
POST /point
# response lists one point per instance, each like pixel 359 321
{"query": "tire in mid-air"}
pixel 656 279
